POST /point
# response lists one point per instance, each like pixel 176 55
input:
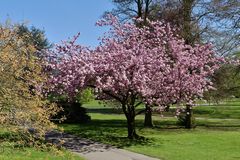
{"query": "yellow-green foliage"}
pixel 21 103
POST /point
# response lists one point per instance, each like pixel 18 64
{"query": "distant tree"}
pixel 215 21
pixel 226 81
pixel 72 111
pixel 85 96
pixel 128 9
pixel 34 36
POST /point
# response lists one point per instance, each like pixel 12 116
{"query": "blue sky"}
pixel 59 18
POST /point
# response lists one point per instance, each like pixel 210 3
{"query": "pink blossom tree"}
pixel 134 65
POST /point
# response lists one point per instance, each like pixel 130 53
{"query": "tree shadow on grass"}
pixel 105 110
pixel 220 127
pixel 113 132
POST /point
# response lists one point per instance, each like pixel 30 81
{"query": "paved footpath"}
pixel 93 150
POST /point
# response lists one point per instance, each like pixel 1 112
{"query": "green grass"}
pixel 9 151
pixel 166 141
pixel 217 135
pixel 198 144
pixel 226 110
pixel 218 111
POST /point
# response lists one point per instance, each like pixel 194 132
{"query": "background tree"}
pixel 72 111
pixel 128 9
pixel 226 81
pixel 215 21
pixel 35 37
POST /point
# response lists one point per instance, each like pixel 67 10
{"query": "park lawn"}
pixel 197 144
pixel 224 110
pixel 213 138
pixel 9 152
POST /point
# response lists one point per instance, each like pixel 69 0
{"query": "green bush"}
pixel 72 112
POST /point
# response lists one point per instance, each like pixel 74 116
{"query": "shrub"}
pixel 73 113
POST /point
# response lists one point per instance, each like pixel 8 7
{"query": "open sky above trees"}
pixel 60 19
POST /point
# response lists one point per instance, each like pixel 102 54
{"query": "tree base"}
pixel 148 117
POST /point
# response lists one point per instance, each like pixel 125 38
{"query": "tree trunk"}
pixel 187 11
pixel 139 8
pixel 148 117
pixel 130 115
pixel 131 128
pixel 189 121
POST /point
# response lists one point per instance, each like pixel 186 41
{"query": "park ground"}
pixel 9 151
pixel 216 136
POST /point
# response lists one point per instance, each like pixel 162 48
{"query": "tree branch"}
pixel 140 112
pixel 138 104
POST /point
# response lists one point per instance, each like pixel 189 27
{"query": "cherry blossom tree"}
pixel 134 65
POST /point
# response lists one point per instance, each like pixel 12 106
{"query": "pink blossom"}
pixel 149 64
